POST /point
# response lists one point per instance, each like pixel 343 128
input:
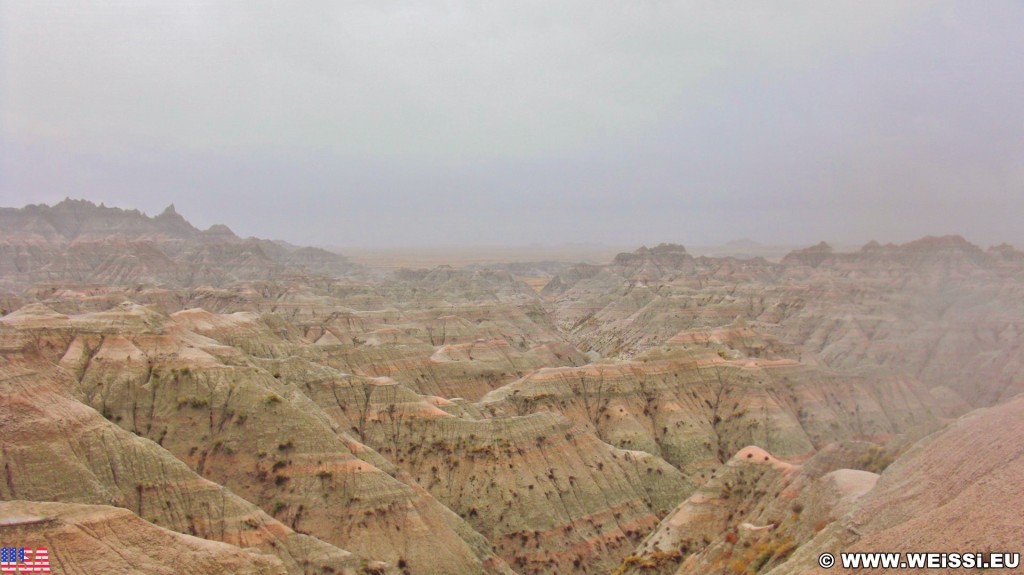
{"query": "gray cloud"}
pixel 397 123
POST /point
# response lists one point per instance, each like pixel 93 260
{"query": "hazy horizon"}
pixel 432 124
pixel 737 244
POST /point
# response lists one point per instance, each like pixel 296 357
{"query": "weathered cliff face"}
pixel 458 351
pixel 949 325
pixel 240 427
pixel 619 313
pixel 939 309
pixel 281 431
pixel 549 496
pixel 57 449
pixel 694 410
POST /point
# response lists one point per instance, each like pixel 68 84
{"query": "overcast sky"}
pixel 425 123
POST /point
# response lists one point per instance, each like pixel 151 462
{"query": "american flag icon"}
pixel 21 560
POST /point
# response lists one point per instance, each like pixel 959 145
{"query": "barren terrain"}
pixel 260 407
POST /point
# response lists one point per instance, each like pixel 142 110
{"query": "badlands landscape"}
pixel 177 400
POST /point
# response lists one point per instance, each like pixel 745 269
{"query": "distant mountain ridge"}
pixel 79 241
pixel 71 220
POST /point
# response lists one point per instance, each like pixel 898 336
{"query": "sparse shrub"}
pixel 876 460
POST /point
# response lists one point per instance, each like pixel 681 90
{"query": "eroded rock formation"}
pixel 266 408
